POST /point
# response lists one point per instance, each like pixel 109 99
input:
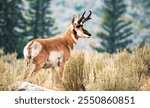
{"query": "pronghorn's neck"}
pixel 70 38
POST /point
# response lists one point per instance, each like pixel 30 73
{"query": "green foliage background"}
pixel 116 30
pixel 23 20
pixel 19 25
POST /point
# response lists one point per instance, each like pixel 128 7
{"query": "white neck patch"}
pixel 73 37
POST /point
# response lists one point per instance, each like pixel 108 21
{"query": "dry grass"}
pixel 87 70
pixel 74 72
pixel 13 70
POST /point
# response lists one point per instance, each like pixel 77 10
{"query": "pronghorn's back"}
pixel 54 50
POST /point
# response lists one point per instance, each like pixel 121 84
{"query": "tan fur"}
pixel 62 43
pixel 55 51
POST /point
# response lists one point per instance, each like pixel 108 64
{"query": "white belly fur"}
pixel 55 58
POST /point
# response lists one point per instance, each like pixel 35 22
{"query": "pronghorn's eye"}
pixel 78 26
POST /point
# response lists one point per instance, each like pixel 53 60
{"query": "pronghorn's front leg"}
pixel 62 72
pixel 61 69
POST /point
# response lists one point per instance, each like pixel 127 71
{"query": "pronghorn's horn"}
pixel 73 18
pixel 82 17
pixel 87 18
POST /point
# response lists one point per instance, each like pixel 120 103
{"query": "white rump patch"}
pixel 25 50
pixel 36 47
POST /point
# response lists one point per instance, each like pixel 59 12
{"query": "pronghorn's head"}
pixel 78 27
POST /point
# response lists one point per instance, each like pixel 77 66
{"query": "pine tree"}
pixel 11 24
pixel 142 17
pixel 143 13
pixel 41 22
pixel 116 31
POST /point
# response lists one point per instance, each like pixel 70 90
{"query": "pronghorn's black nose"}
pixel 86 32
pixel 89 34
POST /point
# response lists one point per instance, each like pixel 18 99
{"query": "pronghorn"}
pixel 55 51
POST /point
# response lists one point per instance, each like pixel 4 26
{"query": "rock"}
pixel 146 85
pixel 26 86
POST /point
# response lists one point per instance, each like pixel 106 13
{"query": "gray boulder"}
pixel 26 86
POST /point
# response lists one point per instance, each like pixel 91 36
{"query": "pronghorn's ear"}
pixel 73 18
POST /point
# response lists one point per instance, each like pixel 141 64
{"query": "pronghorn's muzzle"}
pixel 86 32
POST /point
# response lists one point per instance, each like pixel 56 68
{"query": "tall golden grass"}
pixel 86 71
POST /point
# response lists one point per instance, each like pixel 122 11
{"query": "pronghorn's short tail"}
pixel 31 50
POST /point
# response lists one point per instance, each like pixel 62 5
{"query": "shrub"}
pixel 74 74
pixel 86 71
pixel 95 71
pixel 2 72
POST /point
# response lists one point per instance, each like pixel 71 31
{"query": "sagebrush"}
pixel 85 71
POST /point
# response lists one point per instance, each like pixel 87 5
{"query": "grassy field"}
pixel 86 71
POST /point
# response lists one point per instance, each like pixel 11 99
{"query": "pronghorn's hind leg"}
pixel 36 69
pixel 60 83
pixel 27 69
pixel 28 62
pixel 38 65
